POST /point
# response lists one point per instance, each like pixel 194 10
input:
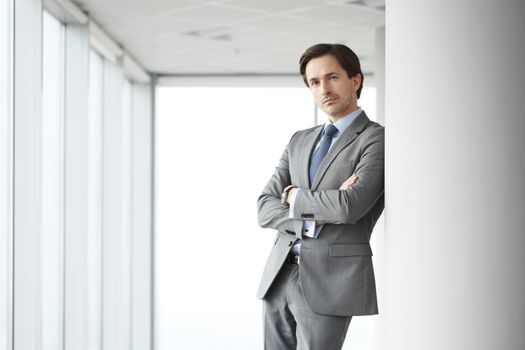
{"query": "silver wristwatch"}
pixel 284 195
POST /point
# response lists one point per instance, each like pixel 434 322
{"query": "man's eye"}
pixel 314 83
pixel 333 77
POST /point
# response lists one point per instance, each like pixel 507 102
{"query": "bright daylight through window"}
pixel 215 148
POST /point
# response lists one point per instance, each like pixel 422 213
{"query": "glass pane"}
pixel 52 184
pixel 367 101
pixel 216 149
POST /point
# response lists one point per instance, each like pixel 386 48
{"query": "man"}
pixel 324 199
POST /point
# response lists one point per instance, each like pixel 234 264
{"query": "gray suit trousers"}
pixel 289 323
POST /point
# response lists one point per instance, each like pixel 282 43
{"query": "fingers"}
pixel 349 182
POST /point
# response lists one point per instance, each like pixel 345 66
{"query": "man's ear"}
pixel 356 81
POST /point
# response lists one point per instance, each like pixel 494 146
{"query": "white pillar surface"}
pixel 455 171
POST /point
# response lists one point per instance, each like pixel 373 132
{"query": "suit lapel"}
pixel 307 149
pixel 348 136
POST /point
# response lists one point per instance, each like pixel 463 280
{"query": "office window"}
pixel 215 150
pixel 70 257
pixel 52 194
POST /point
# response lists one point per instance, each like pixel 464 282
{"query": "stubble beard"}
pixel 333 110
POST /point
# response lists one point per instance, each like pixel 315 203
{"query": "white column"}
pixel 455 158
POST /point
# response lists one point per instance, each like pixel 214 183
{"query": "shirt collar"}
pixel 344 122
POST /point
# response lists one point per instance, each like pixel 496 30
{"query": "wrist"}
pixel 291 195
pixel 285 195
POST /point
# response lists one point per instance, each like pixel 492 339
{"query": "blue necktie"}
pixel 322 150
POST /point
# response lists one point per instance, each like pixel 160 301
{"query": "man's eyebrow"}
pixel 324 76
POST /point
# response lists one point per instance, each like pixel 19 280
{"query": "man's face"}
pixel 334 92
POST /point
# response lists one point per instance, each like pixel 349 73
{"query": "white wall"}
pixel 455 166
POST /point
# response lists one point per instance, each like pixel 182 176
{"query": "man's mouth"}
pixel 329 100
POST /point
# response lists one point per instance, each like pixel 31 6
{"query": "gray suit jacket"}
pixel 335 270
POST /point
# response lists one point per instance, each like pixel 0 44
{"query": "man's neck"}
pixel 334 119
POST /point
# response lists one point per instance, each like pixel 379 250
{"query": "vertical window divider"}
pixel 76 195
pixel 6 174
pixel 27 106
pixel 141 216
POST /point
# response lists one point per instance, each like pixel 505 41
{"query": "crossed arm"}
pixel 344 186
pixel 290 189
pixel 346 205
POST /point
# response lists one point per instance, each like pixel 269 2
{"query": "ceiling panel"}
pixel 273 6
pixel 343 13
pixel 210 15
pixel 235 36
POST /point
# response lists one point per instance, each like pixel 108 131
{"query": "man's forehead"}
pixel 323 74
pixel 322 66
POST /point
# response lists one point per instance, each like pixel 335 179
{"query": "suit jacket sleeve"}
pixel 271 213
pixel 348 206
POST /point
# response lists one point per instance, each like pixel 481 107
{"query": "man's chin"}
pixel 331 112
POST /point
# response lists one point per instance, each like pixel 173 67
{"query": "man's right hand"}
pixel 348 183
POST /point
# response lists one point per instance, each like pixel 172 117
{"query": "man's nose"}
pixel 325 87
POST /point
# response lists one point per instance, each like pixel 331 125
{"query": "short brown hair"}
pixel 344 55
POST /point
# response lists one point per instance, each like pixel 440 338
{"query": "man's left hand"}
pixel 288 198
pixel 348 183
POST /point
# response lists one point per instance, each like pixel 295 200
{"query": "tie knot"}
pixel 330 130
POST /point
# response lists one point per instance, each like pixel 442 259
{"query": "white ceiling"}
pixel 209 37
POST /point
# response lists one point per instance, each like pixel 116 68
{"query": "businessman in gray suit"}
pixel 324 199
